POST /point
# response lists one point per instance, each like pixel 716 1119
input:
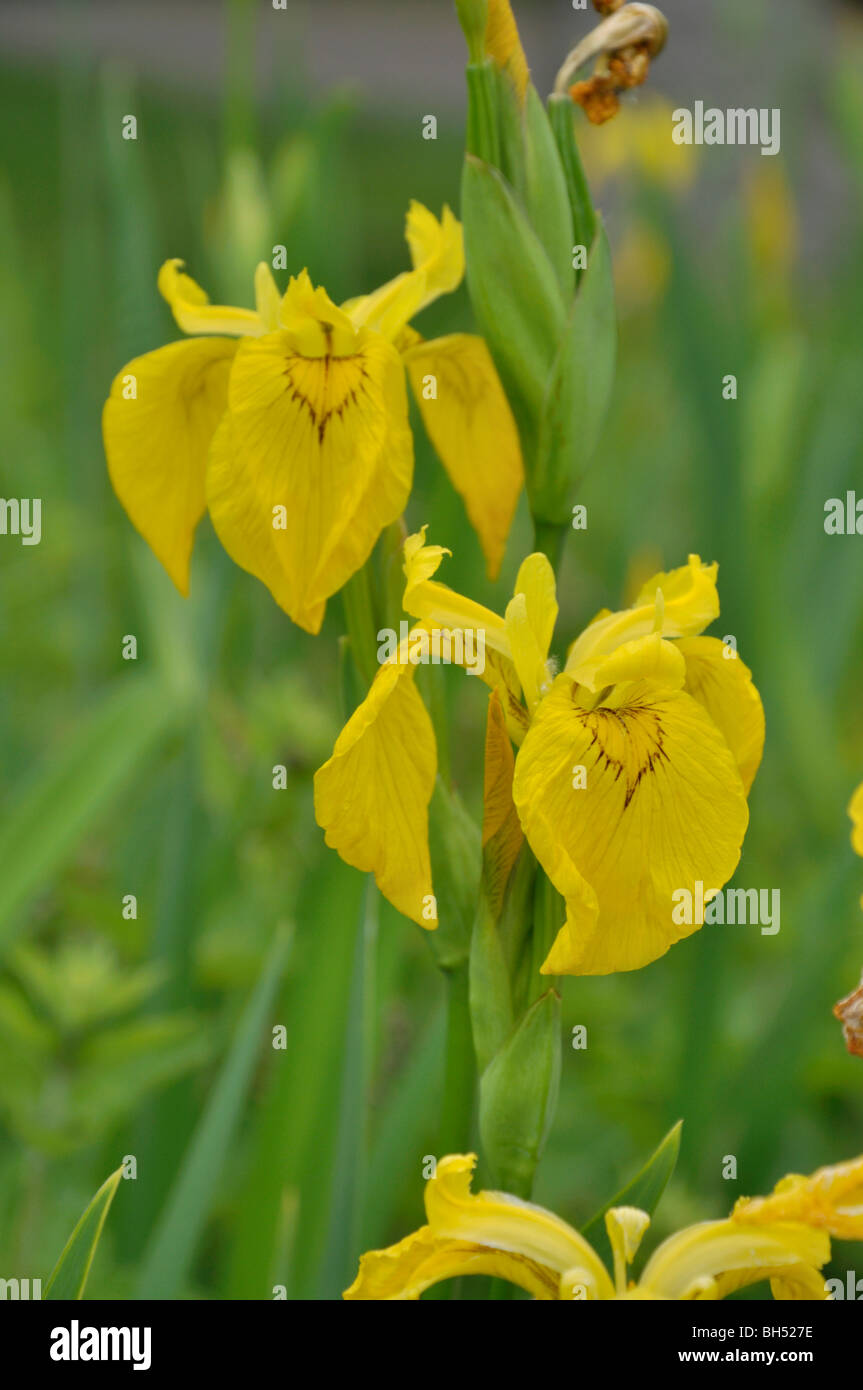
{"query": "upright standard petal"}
pixel 157 425
pixel 530 618
pixel 437 254
pixel 718 679
pixel 470 424
pixel 313 459
pixel 680 603
pixel 373 794
pixel 193 311
pixel 437 605
pixel 658 807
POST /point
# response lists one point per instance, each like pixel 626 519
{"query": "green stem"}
pixel 548 536
pixel 459 1066
pixel 481 138
pixel 547 917
pixel 360 621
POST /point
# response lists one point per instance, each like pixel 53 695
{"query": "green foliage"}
pixel 69 1276
pixel 132 1036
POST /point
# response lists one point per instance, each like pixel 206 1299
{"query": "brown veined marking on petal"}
pixel 602 720
pixel 319 410
pixel 540 1272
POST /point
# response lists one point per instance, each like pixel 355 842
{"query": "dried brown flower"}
pixel 850 1014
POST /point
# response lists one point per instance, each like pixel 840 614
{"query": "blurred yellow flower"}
pixel 642 267
pixel 638 141
pixel 771 220
pixel 784 1238
pixel 855 811
pixel 296 438
pixel 633 768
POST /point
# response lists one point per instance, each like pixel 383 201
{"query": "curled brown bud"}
pixel 621 48
pixel 850 1014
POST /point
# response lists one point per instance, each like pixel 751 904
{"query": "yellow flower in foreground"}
pixel 633 768
pixel 784 1238
pixel 296 437
pixel 855 811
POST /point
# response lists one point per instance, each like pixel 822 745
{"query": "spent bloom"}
pixel 289 424
pixel 633 768
pixel 784 1238
pixel 621 48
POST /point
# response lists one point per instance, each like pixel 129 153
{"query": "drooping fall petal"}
pixel 405 1270
pixel 501 1222
pixel 313 459
pixel 156 442
pixel 718 679
pixel 373 794
pixel 471 426
pixel 732 1256
pixel 661 807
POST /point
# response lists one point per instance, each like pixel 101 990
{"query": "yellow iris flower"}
pixel 290 424
pixel 633 769
pixel 784 1238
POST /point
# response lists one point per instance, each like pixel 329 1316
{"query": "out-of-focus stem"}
pixel 482 137
pixel 459 1066
pixel 360 622
pixel 548 537
pixel 546 922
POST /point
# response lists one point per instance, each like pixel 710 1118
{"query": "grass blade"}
pixel 69 1275
pixel 644 1191
pixel 172 1247
pixel 48 818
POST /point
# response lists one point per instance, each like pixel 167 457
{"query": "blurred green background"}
pixel 151 1036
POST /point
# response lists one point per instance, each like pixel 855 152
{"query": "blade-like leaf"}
pixel 69 1275
pixel 170 1252
pixel 644 1191
pixel 47 819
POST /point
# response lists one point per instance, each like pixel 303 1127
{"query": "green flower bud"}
pixel 456 856
pixel 473 18
pixel 518 1096
pixel 490 993
pixel 515 294
pixel 578 392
